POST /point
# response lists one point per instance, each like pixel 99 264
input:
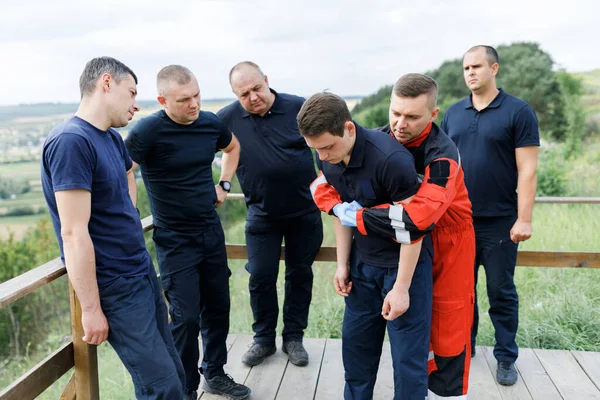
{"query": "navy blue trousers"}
pixel 195 278
pixel 498 255
pixel 303 237
pixel 139 333
pixel 363 330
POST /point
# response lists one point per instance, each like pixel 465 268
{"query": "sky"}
pixel 350 47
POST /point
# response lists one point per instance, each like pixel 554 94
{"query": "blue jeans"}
pixel 498 255
pixel 195 278
pixel 303 237
pixel 139 333
pixel 363 330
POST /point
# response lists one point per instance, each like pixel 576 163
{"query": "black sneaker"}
pixel 257 354
pixel 191 396
pixel 296 353
pixel 224 385
pixel 507 373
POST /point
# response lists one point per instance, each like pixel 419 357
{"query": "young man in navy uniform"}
pixel 275 171
pixel 384 283
pixel 175 148
pixel 498 139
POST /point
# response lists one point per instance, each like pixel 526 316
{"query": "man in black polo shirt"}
pixel 383 282
pixel 497 136
pixel 176 147
pixel 275 171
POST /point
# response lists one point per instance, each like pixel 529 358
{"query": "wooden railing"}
pixel 83 383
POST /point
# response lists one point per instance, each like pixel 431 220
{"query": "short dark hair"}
pixel 102 65
pixel 414 85
pixel 323 112
pixel 490 53
pixel 172 74
pixel 244 64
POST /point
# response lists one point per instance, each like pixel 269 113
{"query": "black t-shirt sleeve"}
pixel 225 135
pixel 70 160
pixel 525 128
pixel 141 138
pixel 399 176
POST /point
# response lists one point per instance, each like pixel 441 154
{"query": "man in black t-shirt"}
pixel 175 148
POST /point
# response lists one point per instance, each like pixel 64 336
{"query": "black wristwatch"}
pixel 226 185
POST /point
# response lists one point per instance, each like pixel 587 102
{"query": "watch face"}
pixel 226 185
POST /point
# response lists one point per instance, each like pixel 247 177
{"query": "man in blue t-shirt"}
pixel 498 139
pixel 175 148
pixel 383 282
pixel 275 171
pixel 88 185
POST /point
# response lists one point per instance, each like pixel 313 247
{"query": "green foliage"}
pixel 9 187
pixel 373 100
pixel 375 116
pixel 552 173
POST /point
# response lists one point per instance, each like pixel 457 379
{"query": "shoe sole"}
pixel 506 383
pixel 300 363
pixel 228 396
pixel 270 353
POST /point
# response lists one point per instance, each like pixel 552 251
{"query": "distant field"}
pixel 29 170
pixel 17 226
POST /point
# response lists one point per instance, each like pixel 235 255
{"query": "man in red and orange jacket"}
pixel 441 200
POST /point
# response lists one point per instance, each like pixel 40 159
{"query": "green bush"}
pixel 552 173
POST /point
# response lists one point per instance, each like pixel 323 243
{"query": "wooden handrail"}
pixel 39 378
pixel 20 286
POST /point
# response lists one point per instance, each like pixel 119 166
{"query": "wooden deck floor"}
pixel 543 374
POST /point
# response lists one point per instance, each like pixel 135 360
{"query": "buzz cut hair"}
pixel 243 64
pixel 172 74
pixel 414 85
pixel 490 53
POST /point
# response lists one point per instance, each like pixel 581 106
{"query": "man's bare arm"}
pixel 74 210
pixel 131 184
pixel 231 158
pixel 343 244
pixel 527 158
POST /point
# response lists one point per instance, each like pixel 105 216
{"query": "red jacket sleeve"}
pixel 324 195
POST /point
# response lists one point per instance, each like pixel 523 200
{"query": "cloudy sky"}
pixel 350 47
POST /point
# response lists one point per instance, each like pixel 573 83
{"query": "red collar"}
pixel 415 142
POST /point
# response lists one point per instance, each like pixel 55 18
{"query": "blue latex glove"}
pixel 346 212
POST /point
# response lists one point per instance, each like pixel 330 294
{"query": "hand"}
pixel 221 195
pixel 95 326
pixel 341 280
pixel 346 212
pixel 395 303
pixel 521 231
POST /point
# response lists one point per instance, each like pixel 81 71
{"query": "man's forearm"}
pixel 132 185
pixel 80 262
pixel 527 185
pixel 230 161
pixel 409 256
pixel 343 242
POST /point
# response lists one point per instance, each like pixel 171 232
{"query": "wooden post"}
pixel 86 359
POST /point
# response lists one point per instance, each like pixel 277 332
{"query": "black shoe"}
pixel 226 386
pixel 507 373
pixel 257 354
pixel 191 396
pixel 296 353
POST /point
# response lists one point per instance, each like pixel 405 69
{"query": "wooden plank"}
pixel 568 200
pixel 590 362
pixel 534 375
pixel 518 391
pixel 482 382
pixel 85 355
pixel 20 286
pixel 40 377
pixel 300 383
pixel 561 259
pixel 69 391
pixel 570 380
pixel 265 378
pixel 384 386
pixel 232 367
pixel 331 379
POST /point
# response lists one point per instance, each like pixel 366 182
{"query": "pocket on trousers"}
pixel 174 309
pixel 448 328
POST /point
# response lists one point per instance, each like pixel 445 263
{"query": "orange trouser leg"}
pixel 452 317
